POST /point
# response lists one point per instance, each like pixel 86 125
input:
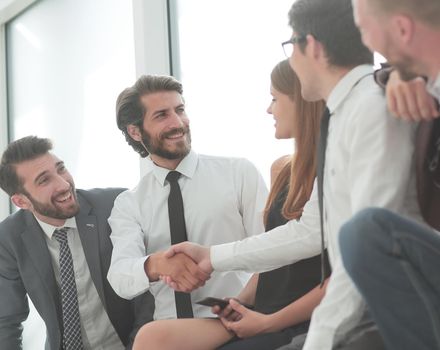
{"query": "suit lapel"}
pixel 89 235
pixel 36 246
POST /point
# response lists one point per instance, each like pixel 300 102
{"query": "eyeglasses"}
pixel 288 45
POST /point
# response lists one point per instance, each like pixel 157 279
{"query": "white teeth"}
pixel 175 136
pixel 63 199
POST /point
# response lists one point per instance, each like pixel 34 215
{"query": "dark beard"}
pixel 157 148
pixel 52 211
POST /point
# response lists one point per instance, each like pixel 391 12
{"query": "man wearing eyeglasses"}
pixel 368 162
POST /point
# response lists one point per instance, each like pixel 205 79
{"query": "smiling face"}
pixel 386 35
pixel 49 191
pixel 282 108
pixel 165 129
pixel 304 63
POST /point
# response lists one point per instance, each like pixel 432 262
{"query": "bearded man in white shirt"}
pixel 368 162
pixel 223 200
pixel 393 261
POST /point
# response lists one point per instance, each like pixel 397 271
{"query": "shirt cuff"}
pixel 221 256
pixel 140 282
pixel 132 282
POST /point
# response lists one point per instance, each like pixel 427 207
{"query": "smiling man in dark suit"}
pixel 57 250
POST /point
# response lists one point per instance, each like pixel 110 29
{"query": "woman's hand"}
pixel 227 313
pixel 248 323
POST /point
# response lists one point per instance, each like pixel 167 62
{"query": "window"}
pixel 226 51
pixel 67 61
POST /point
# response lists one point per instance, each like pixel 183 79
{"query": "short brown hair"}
pixel 130 110
pixel 331 22
pixel 26 148
pixel 427 11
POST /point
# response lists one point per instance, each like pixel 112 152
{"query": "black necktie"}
pixel 320 174
pixel 178 234
pixel 69 297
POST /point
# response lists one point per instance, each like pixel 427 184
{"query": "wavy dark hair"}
pixel 131 111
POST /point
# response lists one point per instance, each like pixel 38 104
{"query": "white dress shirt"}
pixel 223 201
pixel 369 162
pixel 97 331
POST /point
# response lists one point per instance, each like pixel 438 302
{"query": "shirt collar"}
pixel 346 84
pixel 434 87
pixel 49 229
pixel 186 167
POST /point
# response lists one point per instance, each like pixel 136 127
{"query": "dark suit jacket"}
pixel 26 269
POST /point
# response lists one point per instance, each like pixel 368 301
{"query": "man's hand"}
pixel 199 254
pixel 179 267
pixel 409 100
pixel 249 323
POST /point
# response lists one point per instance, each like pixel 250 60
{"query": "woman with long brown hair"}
pixel 284 298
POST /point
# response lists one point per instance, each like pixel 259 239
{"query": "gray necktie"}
pixel 69 297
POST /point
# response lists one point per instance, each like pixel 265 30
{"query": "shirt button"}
pixel 332 172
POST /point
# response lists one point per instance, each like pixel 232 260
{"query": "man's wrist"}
pixel 150 267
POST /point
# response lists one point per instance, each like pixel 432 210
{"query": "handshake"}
pixel 184 267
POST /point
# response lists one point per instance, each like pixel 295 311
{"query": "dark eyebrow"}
pixel 160 111
pixel 166 109
pixel 40 175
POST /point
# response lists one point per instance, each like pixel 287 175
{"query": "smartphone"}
pixel 211 301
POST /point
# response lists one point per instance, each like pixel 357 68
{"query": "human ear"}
pixel 314 46
pixel 404 28
pixel 21 201
pixel 134 132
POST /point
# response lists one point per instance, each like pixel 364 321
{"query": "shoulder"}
pixel 98 194
pixel 368 95
pixel 13 225
pixel 279 163
pixel 233 163
pixel 100 197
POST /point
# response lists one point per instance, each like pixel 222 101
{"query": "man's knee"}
pixel 359 234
